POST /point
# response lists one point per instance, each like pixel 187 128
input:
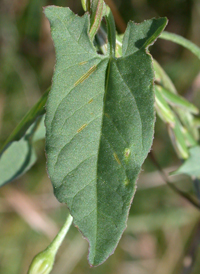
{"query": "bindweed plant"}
pixel 99 124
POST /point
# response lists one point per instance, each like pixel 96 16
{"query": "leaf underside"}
pixel 100 123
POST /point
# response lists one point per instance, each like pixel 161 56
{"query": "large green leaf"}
pixel 100 122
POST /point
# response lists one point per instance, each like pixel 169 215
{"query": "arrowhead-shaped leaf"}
pixel 100 123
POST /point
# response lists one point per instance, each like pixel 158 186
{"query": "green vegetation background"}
pixel 163 230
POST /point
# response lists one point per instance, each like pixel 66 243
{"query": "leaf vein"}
pixel 73 138
pixel 117 130
pixel 78 110
pixel 81 190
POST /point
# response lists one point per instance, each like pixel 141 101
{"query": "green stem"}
pixel 44 261
pixel 37 110
pixel 181 41
pixel 54 246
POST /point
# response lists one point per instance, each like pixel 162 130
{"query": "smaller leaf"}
pixel 162 77
pixel 176 100
pixel 191 142
pixel 187 119
pixel 162 107
pixel 191 166
pixel 181 41
pixel 178 139
pixel 19 156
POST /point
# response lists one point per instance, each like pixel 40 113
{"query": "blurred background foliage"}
pixel 163 232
